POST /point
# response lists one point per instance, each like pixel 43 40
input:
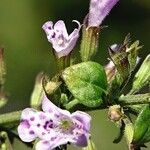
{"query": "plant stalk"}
pixel 10 118
pixel 134 99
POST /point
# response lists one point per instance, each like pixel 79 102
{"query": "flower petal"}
pixel 51 144
pixel 49 107
pixel 76 30
pixel 25 132
pixel 82 141
pixel 47 27
pixel 82 117
pixel 43 145
pixel 60 26
pixel 27 113
pixel 99 9
pixel 65 51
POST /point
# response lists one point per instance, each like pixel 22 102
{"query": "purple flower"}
pixel 58 36
pixel 54 126
pixel 99 9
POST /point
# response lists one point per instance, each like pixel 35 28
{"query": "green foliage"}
pixel 87 82
pixel 133 54
pixel 142 127
pixel 142 77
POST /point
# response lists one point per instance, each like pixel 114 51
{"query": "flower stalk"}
pixel 91 146
pixel 63 62
pixel 10 118
pixel 71 104
pixel 128 132
pixel 135 99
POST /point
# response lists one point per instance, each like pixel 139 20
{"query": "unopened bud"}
pixel 115 113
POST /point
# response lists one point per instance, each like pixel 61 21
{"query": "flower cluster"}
pixel 57 34
pixel 54 126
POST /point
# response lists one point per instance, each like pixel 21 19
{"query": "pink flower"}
pixel 54 126
pixel 99 9
pixel 58 36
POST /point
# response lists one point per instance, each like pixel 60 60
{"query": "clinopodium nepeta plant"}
pixel 55 117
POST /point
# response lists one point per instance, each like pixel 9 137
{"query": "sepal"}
pixel 89 43
pixel 142 77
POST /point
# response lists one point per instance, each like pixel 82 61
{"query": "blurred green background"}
pixel 27 51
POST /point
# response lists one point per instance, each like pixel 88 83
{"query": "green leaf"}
pixel 142 127
pixel 133 51
pixel 87 82
pixel 142 77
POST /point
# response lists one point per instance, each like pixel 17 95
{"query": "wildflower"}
pixel 99 9
pixel 54 126
pixel 58 36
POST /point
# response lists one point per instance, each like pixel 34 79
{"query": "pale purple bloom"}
pixel 99 9
pixel 54 126
pixel 58 36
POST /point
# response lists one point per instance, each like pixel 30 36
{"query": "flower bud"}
pixel 115 113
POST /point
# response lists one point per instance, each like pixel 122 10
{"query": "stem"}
pixel 63 62
pixel 91 146
pixel 132 92
pixel 128 132
pixel 10 118
pixel 135 99
pixel 6 144
pixel 71 104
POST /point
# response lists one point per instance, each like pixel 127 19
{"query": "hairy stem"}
pixel 71 104
pixel 10 118
pixel 128 131
pixel 91 146
pixel 63 62
pixel 135 99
